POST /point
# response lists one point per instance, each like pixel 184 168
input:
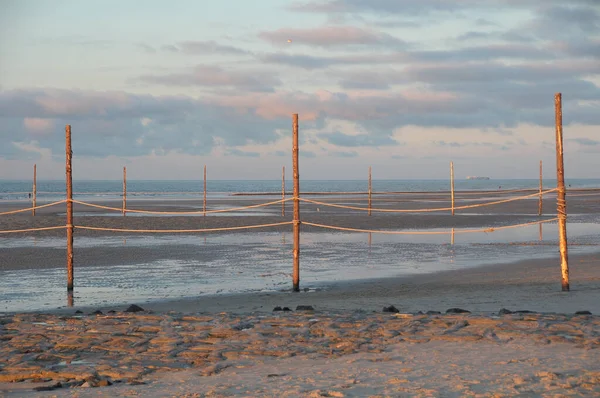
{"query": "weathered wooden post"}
pixel 283 191
pixel 452 185
pixel 69 155
pixel 540 202
pixel 560 195
pixel 34 190
pixel 124 190
pixel 204 202
pixel 370 190
pixel 296 222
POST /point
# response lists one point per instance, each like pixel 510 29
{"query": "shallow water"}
pixel 230 263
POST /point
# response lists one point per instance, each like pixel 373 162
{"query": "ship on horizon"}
pixel 477 178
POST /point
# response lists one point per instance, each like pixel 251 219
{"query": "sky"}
pixel 166 87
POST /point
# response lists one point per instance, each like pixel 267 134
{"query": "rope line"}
pixel 424 210
pixel 32 229
pixel 460 231
pixel 31 208
pixel 120 209
pixel 183 230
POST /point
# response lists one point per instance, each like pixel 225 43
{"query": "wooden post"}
pixel 204 202
pixel 34 190
pixel 560 195
pixel 296 224
pixel 452 185
pixel 283 191
pixel 124 190
pixel 370 190
pixel 540 202
pixel 69 155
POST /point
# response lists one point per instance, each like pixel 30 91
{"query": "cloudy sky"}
pixel 404 86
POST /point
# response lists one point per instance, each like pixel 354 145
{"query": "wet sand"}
pixel 236 345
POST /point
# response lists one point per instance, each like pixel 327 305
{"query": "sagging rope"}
pixel 32 208
pixel 460 231
pixel 120 209
pixel 424 210
pixel 33 229
pixel 183 230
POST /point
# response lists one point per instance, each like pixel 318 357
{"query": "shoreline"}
pixel 532 285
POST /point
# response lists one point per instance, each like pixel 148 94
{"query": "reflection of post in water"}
pixel 70 300
pixel 452 237
pixel 370 240
pixel 124 241
pixel 541 236
pixel 283 238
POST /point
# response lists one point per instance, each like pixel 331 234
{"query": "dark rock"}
pixel 97 312
pixel 457 311
pixel 134 308
pixel 79 312
pixel 286 308
pixel 391 308
pixel 583 313
pixel 278 308
pixel 304 308
pixel 524 312
pixel 243 326
pixel 48 388
pixel 112 312
pixel 504 311
pixel 433 313
pixel 306 289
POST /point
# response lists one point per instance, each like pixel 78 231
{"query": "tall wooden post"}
pixel 452 185
pixel 370 190
pixel 283 191
pixel 69 155
pixel 560 197
pixel 34 190
pixel 296 225
pixel 124 190
pixel 540 202
pixel 204 202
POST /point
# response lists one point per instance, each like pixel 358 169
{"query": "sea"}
pixel 157 267
pixel 49 190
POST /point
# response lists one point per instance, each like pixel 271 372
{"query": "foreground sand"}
pixel 346 346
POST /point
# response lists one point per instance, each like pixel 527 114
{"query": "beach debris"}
pixel 134 308
pixel 391 308
pixel 243 326
pixel 583 313
pixel 457 311
pixel 304 308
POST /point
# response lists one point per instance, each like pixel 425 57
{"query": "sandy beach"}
pixel 521 336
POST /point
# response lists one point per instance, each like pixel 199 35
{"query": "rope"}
pixel 31 229
pixel 31 208
pixel 183 230
pixel 463 231
pixel 424 210
pixel 120 209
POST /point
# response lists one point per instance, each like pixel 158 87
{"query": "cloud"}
pixel 342 154
pixel 237 152
pixel 214 76
pixel 585 141
pixel 38 125
pixel 341 139
pixel 204 48
pixel 331 36
pixel 383 7
pixel 116 123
